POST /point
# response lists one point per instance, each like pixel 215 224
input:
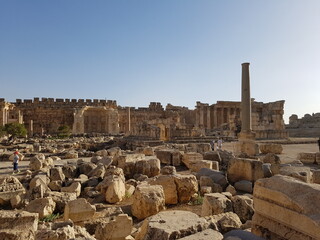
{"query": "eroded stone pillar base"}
pixel 247 144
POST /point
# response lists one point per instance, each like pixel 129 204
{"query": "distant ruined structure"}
pixel 307 126
pixel 45 115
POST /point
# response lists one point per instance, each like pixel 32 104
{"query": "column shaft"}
pixel 245 99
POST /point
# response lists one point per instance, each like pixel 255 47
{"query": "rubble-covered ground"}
pixel 106 188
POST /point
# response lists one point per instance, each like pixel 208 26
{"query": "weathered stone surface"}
pixel 95 159
pixel 199 147
pixel 127 163
pixel 196 166
pixel 56 174
pixel 18 225
pixel 98 172
pixel 281 212
pixel 43 206
pixel 309 157
pixel 169 156
pixel 231 189
pixel 299 172
pixel 168 170
pixel 316 176
pixel 17 201
pixel 271 158
pixel 215 203
pixel 86 168
pixel 270 148
pixel 244 169
pixel 147 200
pixel 61 199
pixel 169 187
pixel 224 222
pixel 148 167
pixel 113 185
pixel 267 172
pixel 71 155
pixel 115 151
pixel 213 156
pixel 243 207
pixel 102 153
pixel 246 145
pixel 187 185
pixel 55 185
pixel 207 234
pixel 9 187
pixel 70 171
pixel 116 189
pixel 191 158
pixel 216 176
pixel 79 210
pixel 75 187
pixel 244 186
pixel 35 163
pixel 63 233
pixel 171 225
pixel 106 161
pixel 205 181
pixel 118 228
pixel 148 151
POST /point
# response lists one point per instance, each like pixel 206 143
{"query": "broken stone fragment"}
pixel 79 210
pixel 207 234
pixel 281 212
pixel 169 187
pixel 9 187
pixel 244 169
pixel 147 200
pixel 171 225
pixel 224 222
pixel 42 206
pixel 75 187
pixel 187 186
pixel 243 207
pixel 270 148
pixel 117 228
pixel 244 186
pixel 215 203
pixel 56 174
pixel 18 225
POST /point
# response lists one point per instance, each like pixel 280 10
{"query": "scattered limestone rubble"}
pixel 120 194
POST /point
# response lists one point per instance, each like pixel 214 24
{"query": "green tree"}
pixel 15 130
pixel 64 131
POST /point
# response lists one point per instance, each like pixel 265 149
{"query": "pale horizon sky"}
pixel 169 51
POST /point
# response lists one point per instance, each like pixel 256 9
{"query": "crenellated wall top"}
pixel 64 102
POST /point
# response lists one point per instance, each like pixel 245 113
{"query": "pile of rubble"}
pixel 121 194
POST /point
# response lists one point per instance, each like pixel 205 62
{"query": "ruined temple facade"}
pixel 307 126
pixel 46 115
pixel 267 118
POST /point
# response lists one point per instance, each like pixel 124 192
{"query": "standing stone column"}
pixel 215 118
pixel 246 142
pixel 208 118
pixel 129 121
pixel 245 99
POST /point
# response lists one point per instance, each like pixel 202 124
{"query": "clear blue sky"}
pixel 169 51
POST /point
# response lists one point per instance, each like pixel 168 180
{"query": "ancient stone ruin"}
pixel 107 188
pixel 46 115
pixel 307 126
